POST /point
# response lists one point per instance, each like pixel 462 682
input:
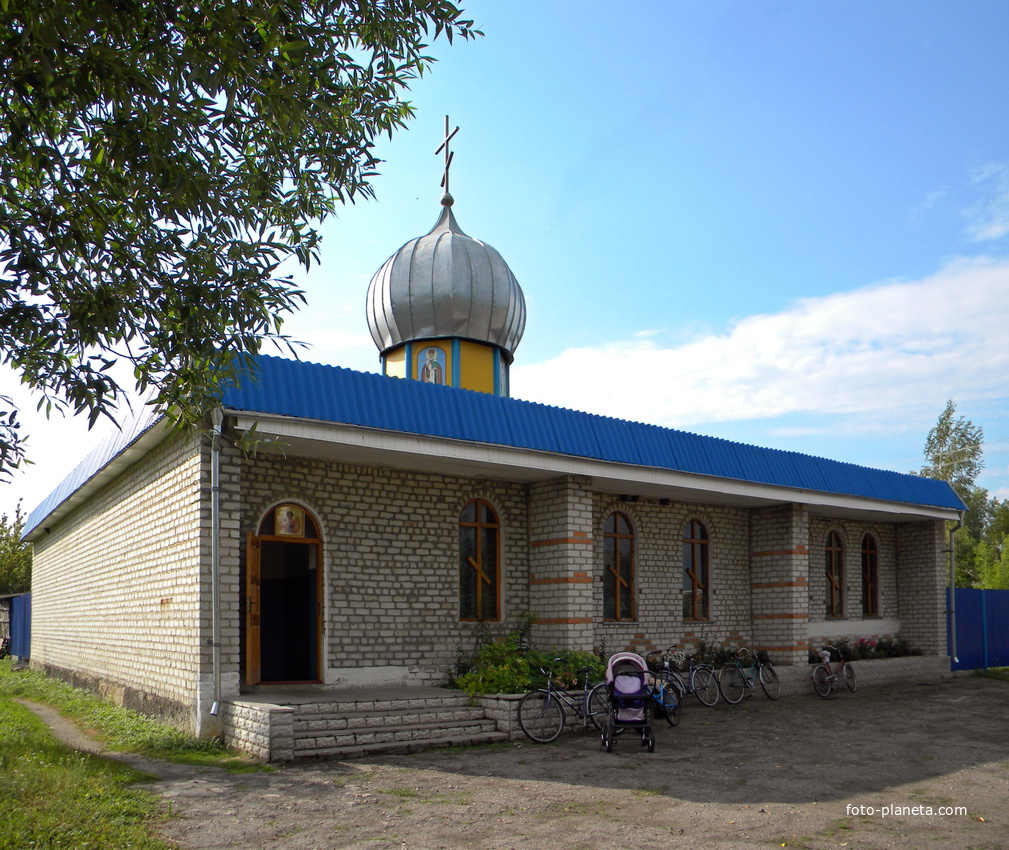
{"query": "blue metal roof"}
pixel 333 394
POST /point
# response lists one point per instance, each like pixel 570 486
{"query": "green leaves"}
pixel 954 451
pixel 15 556
pixel 157 165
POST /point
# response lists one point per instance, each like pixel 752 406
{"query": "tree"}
pixel 991 555
pixel 15 556
pixel 953 451
pixel 159 161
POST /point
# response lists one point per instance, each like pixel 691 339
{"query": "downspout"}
pixel 952 592
pixel 217 416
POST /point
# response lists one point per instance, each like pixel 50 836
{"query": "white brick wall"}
pixel 116 586
pixel 659 575
pixel 391 558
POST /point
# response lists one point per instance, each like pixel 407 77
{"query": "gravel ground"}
pixel 800 772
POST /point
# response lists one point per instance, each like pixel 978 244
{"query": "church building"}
pixel 411 508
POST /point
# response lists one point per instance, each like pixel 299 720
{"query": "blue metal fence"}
pixel 982 629
pixel 21 626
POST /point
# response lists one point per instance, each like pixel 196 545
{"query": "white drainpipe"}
pixel 215 551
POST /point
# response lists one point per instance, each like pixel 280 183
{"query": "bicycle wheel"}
pixel 599 705
pixel 678 686
pixel 848 674
pixel 704 685
pixel 769 682
pixel 671 706
pixel 821 680
pixel 541 717
pixel 732 684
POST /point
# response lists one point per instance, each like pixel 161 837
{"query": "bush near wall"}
pixel 506 666
pixel 868 648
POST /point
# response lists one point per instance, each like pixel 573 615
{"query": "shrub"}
pixel 501 667
pixel 867 648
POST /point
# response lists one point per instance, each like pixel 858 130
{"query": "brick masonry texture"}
pixel 391 558
pixel 123 588
pixel 116 587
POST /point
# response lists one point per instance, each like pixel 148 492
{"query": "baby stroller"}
pixel 630 700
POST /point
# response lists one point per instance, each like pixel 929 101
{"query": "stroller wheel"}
pixel 651 743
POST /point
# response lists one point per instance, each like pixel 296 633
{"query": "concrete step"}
pixel 346 705
pixel 457 739
pixel 407 737
pixel 356 727
pixel 307 724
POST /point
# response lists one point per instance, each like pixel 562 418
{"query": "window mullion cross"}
pixel 620 582
pixel 481 580
pixel 695 589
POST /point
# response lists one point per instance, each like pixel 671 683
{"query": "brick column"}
pixel 779 582
pixel 922 570
pixel 561 563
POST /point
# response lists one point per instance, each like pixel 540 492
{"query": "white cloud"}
pixel 878 353
pixel 340 348
pixel 989 217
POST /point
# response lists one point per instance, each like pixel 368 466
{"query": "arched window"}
pixel 479 560
pixel 870 577
pixel 834 565
pixel 695 571
pixel 618 568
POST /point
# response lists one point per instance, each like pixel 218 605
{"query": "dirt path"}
pixel 761 774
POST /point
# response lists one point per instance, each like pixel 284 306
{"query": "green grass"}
pixel 53 796
pixel 118 728
pixel 994 673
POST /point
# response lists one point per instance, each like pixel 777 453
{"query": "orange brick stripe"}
pixel 798 550
pixel 579 538
pixel 577 578
pixel 779 616
pixel 802 645
pixel 553 621
pixel 799 582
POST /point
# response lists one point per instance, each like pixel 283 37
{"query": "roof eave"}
pixel 129 455
pixel 374 446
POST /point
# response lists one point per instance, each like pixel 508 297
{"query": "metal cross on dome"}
pixel 448 154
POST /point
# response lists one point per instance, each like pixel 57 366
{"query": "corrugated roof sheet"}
pixel 333 394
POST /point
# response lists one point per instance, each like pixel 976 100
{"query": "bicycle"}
pixel 737 680
pixel 697 679
pixel 825 677
pixel 541 712
pixel 665 688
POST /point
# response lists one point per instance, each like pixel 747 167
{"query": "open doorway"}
pixel 283 636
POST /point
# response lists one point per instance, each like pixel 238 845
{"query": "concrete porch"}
pixel 291 722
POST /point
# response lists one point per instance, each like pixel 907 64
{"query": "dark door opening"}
pixel 289 611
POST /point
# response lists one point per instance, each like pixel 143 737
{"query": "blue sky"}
pixel 784 223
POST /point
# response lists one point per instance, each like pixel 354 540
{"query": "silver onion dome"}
pixel 446 284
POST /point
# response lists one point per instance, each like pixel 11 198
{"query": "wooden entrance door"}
pixel 283 610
